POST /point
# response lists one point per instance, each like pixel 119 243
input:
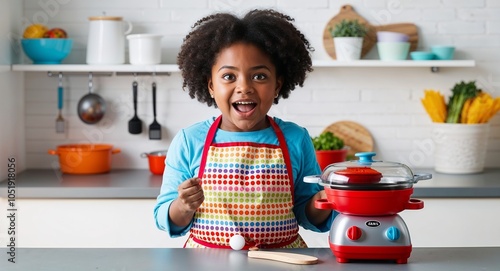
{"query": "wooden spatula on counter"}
pixel 285 257
pixel 348 13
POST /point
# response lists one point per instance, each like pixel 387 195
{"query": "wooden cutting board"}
pixel 357 137
pixel 347 12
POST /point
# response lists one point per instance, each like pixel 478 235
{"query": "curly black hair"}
pixel 269 30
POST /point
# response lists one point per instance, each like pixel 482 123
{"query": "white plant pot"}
pixel 460 148
pixel 348 48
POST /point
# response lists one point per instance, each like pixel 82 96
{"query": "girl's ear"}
pixel 210 87
pixel 279 84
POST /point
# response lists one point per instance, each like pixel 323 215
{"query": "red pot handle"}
pixel 325 204
pixel 414 204
pixel 114 151
pixel 53 152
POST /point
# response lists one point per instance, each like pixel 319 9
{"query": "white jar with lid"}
pixel 106 41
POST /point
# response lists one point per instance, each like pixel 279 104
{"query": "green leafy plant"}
pixel 461 93
pixel 349 28
pixel 327 141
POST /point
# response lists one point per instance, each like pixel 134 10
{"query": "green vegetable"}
pixel 461 92
pixel 348 28
pixel 327 141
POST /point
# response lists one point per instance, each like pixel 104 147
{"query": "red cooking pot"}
pixel 368 188
pixel 156 161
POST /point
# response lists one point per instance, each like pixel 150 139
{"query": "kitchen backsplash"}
pixel 385 100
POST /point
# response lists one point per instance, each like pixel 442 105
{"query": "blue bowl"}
pixel 421 55
pixel 47 51
pixel 443 52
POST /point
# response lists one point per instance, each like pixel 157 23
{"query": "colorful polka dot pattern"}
pixel 247 191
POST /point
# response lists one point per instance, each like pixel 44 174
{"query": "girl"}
pixel 241 172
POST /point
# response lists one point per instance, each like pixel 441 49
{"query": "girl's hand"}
pixel 190 195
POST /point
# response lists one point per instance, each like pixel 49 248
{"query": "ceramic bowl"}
pixel 47 51
pixel 422 55
pixel 443 52
pixel 387 36
pixel 393 50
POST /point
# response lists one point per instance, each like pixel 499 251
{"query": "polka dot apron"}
pixel 248 190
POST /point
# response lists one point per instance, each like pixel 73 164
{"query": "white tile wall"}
pixel 385 100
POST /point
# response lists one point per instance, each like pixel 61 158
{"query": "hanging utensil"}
pixel 60 119
pixel 154 128
pixel 91 107
pixel 135 124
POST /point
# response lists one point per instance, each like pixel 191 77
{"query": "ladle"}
pixel 91 107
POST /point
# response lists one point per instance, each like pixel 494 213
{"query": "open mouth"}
pixel 244 107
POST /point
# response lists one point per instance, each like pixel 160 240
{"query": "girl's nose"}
pixel 244 85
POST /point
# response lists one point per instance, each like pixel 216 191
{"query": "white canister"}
pixel 106 41
pixel 144 49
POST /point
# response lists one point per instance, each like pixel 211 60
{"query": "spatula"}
pixel 135 124
pixel 60 119
pixel 154 128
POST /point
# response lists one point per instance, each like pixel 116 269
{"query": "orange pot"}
pixel 85 158
pixel 156 161
pixel 326 158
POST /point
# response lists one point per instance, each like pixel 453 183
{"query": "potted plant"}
pixel 348 38
pixel 329 149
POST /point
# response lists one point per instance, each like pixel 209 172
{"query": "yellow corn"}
pixel 481 108
pixel 465 110
pixel 435 105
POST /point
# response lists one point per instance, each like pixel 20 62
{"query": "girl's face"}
pixel 244 85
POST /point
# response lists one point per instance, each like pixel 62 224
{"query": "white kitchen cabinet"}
pixel 68 223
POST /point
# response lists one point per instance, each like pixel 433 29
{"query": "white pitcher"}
pixel 106 41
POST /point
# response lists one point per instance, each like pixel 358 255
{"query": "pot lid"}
pixel 367 173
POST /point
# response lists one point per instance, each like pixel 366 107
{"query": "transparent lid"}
pixel 367 171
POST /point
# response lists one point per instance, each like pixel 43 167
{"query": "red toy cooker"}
pixel 369 195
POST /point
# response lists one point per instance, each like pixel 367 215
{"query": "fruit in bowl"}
pixel 34 31
pixel 46 46
pixel 56 33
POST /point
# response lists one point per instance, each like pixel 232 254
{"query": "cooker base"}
pixel 345 254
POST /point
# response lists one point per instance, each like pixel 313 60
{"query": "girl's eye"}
pixel 259 76
pixel 228 77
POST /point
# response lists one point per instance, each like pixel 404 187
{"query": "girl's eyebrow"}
pixel 253 68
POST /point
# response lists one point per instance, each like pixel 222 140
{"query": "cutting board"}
pixel 354 135
pixel 348 13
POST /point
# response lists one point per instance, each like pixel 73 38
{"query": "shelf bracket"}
pixel 434 69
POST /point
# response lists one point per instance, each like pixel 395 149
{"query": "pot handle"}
pixel 325 204
pixel 53 152
pixel 421 176
pixel 414 204
pixel 144 155
pixel 312 179
pixel 113 151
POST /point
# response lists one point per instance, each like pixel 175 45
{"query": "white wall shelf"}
pixel 433 64
pixel 169 68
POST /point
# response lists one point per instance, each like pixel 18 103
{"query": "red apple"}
pixel 56 33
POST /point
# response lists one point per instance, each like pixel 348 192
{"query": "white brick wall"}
pixel 385 100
